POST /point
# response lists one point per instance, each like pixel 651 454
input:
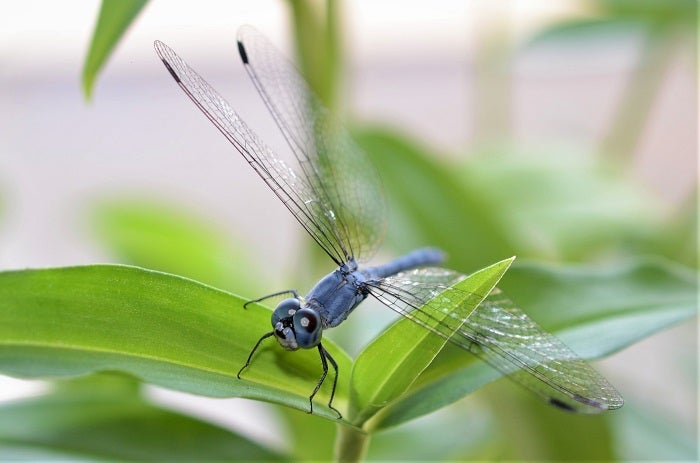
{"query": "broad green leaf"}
pixel 425 194
pixel 311 439
pixel 659 14
pixel 621 19
pixel 679 241
pixel 159 236
pixel 530 431
pixel 100 421
pixel 163 329
pixel 596 311
pixel 114 19
pixel 466 433
pixel 599 311
pixel 594 212
pixel 601 31
pixel 653 435
pixel 393 361
pixel 503 201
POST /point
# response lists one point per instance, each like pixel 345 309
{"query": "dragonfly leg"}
pixel 250 356
pixel 325 358
pixel 279 293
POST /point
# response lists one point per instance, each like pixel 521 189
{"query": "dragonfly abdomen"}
pixel 419 258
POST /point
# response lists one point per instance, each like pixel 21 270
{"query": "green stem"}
pixel 643 87
pixel 350 444
pixel 492 80
pixel 318 45
pixel 316 25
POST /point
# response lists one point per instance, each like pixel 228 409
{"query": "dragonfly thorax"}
pixel 296 327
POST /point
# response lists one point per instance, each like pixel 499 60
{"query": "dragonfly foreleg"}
pixel 250 356
pixel 279 293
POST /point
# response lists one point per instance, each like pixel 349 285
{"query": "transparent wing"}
pixel 344 182
pixel 293 187
pixel 501 335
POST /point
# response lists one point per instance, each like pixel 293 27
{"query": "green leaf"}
pixel 423 192
pixel 594 212
pixel 621 19
pixel 99 420
pixel 660 14
pixel 601 31
pixel 595 311
pixel 115 17
pixel 163 329
pixel 655 435
pixel 598 311
pixel 529 431
pixel 393 361
pixel 158 236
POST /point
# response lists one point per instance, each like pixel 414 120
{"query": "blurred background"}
pixel 574 121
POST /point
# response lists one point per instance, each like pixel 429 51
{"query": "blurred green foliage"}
pixel 159 236
pixel 104 417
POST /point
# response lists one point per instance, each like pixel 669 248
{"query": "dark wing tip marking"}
pixel 581 399
pixel 561 405
pixel 171 71
pixel 162 50
pixel 242 52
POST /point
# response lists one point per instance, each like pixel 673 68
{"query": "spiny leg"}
pixel 335 379
pixel 250 356
pixel 278 293
pixel 323 353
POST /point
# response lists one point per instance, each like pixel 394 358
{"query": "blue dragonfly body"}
pixel 334 192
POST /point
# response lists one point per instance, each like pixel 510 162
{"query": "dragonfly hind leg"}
pixel 325 359
pixel 293 292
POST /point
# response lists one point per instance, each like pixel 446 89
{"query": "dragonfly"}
pixel 332 189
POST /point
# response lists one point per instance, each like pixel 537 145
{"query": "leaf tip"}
pixel 87 85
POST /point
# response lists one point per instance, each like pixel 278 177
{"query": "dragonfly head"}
pixel 296 327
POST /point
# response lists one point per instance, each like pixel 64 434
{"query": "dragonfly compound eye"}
pixel 307 327
pixel 285 309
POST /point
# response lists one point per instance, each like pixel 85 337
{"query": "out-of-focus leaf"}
pixel 645 434
pixel 113 21
pixel 616 306
pixel 157 236
pixel 430 204
pixel 564 206
pixel 529 431
pixel 163 329
pixel 594 311
pixel 679 241
pixel 392 362
pixel 598 31
pixel 312 439
pixel 419 441
pixel 620 19
pixel 105 421
pixel 500 203
pixel 665 14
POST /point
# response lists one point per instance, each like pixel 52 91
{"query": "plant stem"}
pixel 639 95
pixel 493 78
pixel 350 444
pixel 317 33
